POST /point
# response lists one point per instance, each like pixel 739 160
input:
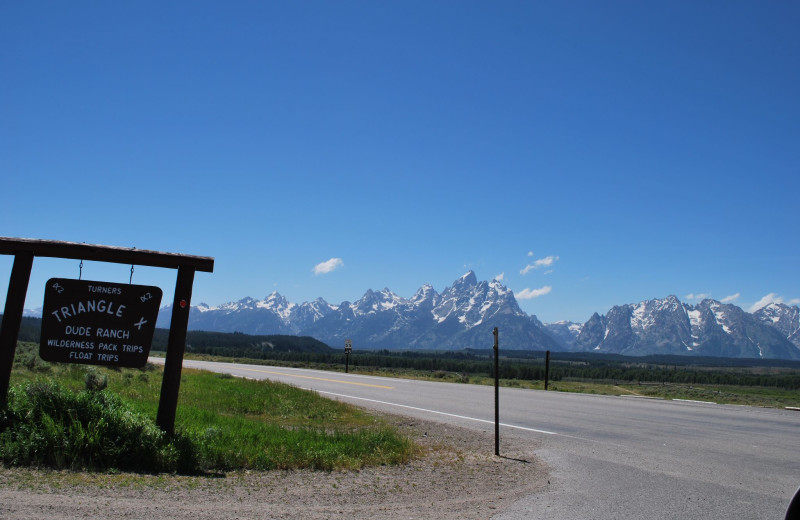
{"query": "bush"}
pixel 95 381
pixel 48 425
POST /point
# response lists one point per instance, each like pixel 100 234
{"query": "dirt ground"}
pixel 457 477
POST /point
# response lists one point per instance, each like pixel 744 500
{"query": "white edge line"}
pixel 435 412
pixel 429 411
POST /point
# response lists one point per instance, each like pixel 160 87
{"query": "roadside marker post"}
pixel 546 369
pixel 496 395
pixel 348 347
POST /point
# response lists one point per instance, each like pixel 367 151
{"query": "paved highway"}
pixel 610 457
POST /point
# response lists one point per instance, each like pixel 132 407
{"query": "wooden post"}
pixel 496 395
pixel 12 318
pixel 170 384
pixel 546 369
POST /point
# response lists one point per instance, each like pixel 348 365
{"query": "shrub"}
pixel 48 425
pixel 95 381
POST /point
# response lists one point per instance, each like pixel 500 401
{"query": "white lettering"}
pixel 114 333
pixel 104 290
pixel 107 307
pixel 67 343
pixel 81 355
pixel 78 331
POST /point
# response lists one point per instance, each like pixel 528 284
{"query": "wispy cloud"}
pixel 528 294
pixel 500 277
pixel 699 296
pixel 328 266
pixel 772 298
pixel 766 300
pixel 530 253
pixel 731 298
pixel 542 262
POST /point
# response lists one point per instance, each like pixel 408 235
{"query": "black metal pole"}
pixel 546 369
pixel 176 345
pixel 496 395
pixel 12 318
pixel 347 363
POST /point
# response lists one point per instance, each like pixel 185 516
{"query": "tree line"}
pixel 626 370
pixel 514 364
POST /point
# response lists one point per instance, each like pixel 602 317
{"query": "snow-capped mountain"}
pixel 272 315
pixel 784 318
pixel 565 332
pixel 462 316
pixel 667 326
pixel 32 313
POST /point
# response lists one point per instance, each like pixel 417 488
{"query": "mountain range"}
pixel 464 315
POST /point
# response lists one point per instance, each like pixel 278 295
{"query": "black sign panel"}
pixel 98 323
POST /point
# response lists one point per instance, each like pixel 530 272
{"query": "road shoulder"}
pixel 455 477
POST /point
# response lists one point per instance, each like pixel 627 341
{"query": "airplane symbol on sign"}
pixel 139 323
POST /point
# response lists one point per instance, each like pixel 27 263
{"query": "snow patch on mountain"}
pixel 464 314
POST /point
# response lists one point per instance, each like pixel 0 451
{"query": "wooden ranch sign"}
pixel 98 323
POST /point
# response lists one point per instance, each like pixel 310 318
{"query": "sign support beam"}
pixel 12 318
pixel 176 345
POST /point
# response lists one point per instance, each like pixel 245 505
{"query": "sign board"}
pixel 98 323
pixel 348 346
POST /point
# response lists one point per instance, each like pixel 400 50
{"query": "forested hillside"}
pixel 214 343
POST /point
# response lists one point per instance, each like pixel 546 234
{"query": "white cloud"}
pixel 530 253
pixel 700 296
pixel 549 271
pixel 528 294
pixel 542 262
pixel 766 300
pixel 327 267
pixel 731 298
pixel 500 277
pixel 772 298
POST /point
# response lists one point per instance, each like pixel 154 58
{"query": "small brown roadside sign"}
pixel 98 323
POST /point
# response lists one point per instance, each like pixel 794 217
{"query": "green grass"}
pixel 723 394
pixel 222 423
pixel 46 424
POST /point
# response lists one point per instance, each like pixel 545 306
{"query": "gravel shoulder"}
pixel 455 477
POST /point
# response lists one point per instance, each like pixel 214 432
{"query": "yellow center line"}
pixel 318 378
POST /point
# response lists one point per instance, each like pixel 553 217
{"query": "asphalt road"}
pixel 610 457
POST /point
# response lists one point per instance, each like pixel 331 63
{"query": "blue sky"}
pixel 625 150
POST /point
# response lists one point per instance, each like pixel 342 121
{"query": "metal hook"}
pixel 80 269
pixel 130 281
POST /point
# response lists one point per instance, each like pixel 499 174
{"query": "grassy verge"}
pixel 223 423
pixel 723 394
